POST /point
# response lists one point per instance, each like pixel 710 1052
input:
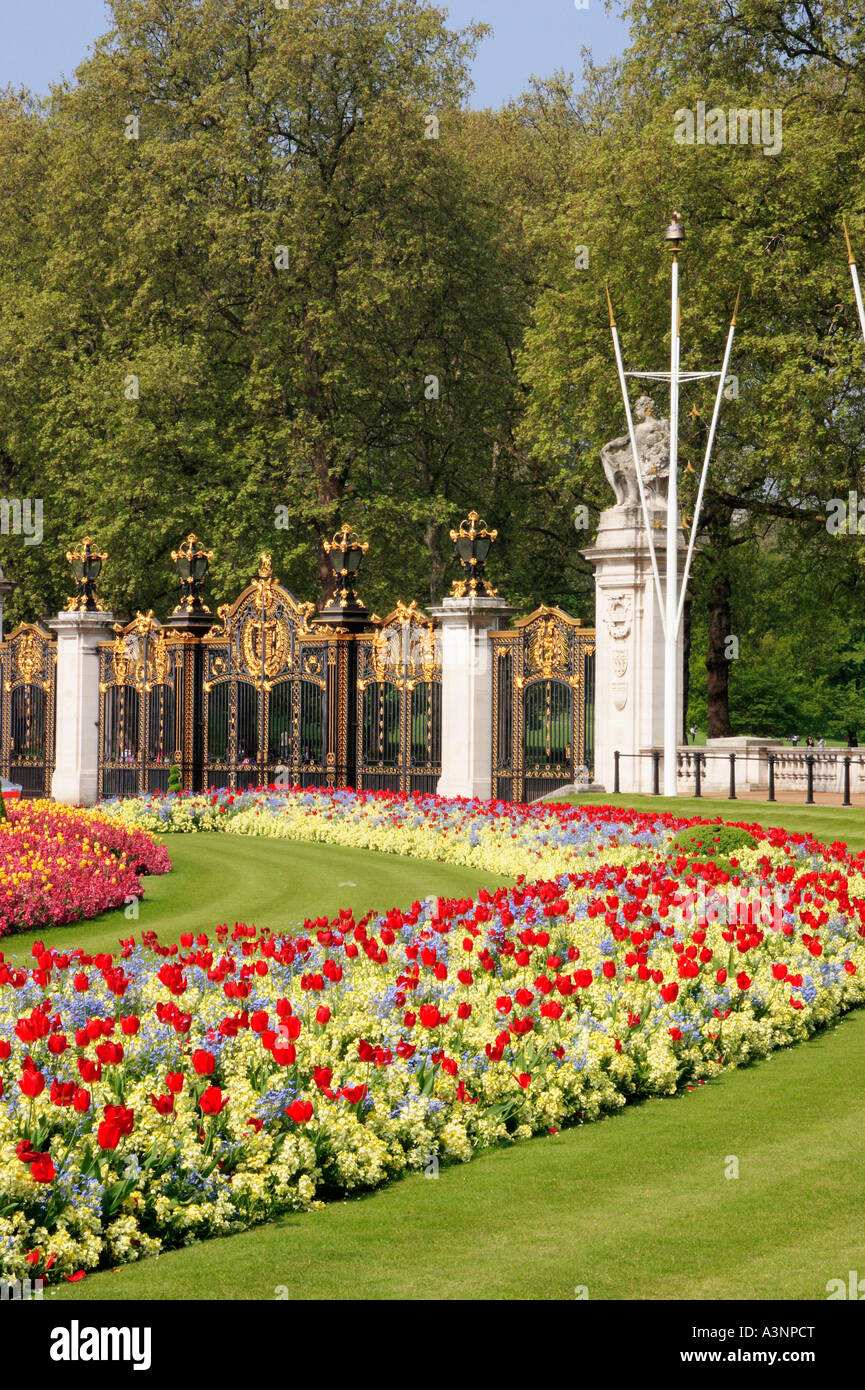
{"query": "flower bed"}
pixel 176 1092
pixel 538 841
pixel 58 865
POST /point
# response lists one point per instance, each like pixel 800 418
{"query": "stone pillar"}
pixel 76 762
pixel 629 660
pixel 467 693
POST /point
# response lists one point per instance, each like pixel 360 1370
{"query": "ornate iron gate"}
pixel 543 705
pixel 399 705
pixel 28 664
pixel 271 706
pixel 145 678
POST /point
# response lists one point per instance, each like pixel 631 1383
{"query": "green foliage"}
pixel 283 261
pixel 230 323
pixel 717 842
pixel 796 614
pixel 175 778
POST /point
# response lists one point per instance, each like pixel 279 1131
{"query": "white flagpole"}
pixel 635 452
pixel 671 645
pixel 854 275
pixel 711 440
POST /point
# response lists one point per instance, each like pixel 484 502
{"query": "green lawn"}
pixel 635 1206
pixel 272 883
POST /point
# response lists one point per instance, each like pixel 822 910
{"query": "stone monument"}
pixel 629 661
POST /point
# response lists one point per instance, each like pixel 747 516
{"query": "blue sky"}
pixel 42 40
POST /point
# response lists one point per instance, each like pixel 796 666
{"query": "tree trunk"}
pixel 437 562
pixel 328 490
pixel 328 496
pixel 717 664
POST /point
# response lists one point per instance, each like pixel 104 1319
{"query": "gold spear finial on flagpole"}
pixel 609 305
pixel 850 257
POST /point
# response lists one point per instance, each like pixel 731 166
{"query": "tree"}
pixel 246 260
pixel 792 435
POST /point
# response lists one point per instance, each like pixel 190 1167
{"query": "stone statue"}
pixel 653 447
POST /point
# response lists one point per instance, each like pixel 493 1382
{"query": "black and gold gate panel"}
pixel 270 692
pixel 399 709
pixel 28 666
pixel 145 708
pixel 543 705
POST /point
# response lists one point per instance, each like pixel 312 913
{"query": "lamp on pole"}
pixel 671 599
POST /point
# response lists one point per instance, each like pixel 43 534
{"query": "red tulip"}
pixel 203 1061
pixel 121 1116
pixel 353 1094
pixel 213 1101
pixel 300 1111
pixel 108 1135
pixel 551 1008
pixel 32 1082
pixel 42 1169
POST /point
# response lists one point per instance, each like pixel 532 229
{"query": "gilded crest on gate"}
pixel 405 651
pixel 548 651
pixel 139 654
pixel 265 645
pixel 29 658
pixel 121 661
